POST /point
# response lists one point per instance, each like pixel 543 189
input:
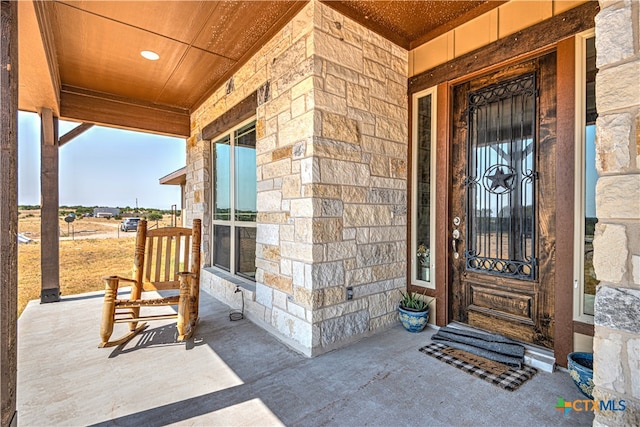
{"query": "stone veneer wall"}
pixel 332 190
pixel 617 240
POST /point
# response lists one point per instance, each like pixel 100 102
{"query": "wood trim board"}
pixel 511 48
pixel 240 112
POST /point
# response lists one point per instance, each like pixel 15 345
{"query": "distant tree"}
pixel 154 216
pixel 83 210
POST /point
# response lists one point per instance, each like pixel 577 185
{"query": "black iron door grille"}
pixel 501 178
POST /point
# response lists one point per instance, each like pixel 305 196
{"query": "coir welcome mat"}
pixel 510 379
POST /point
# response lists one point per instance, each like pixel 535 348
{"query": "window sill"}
pixel 236 280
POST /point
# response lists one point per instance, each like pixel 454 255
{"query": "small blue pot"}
pixel 581 370
pixel 413 321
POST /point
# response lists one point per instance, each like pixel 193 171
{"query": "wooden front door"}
pixel 502 213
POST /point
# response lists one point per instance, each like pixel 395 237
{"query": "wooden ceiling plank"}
pixel 198 71
pixel 119 114
pixel 104 55
pixel 187 17
pixel 73 133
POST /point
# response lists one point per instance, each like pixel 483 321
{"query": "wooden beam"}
pixel 538 37
pixel 566 210
pixel 8 210
pixel 443 196
pixel 240 112
pixel 583 328
pixel 73 133
pixel 105 109
pixel 49 226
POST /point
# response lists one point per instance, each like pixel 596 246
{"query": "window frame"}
pixel 432 91
pixel 232 222
pixel 580 177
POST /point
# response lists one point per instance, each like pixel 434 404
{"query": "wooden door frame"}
pixel 556 34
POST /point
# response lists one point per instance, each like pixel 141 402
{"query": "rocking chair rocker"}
pixel 161 258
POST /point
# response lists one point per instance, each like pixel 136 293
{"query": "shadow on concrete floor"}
pixel 234 373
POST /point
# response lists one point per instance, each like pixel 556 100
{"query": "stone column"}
pixel 332 153
pixel 617 239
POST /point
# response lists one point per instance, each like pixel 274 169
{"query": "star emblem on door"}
pixel 499 179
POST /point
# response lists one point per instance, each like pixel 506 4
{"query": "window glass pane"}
pixel 591 176
pixel 222 246
pixel 500 179
pixel 245 173
pixel 222 179
pixel 246 252
pixel 423 190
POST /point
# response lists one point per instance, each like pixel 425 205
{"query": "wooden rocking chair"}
pixel 161 259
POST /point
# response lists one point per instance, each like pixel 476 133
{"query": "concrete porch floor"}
pixel 234 373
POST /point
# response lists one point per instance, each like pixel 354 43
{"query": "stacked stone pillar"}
pixel 331 154
pixel 617 238
pixel 332 150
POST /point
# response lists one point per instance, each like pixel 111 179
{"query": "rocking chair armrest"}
pixel 120 279
pixel 186 273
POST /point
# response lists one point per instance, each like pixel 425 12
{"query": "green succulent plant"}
pixel 415 301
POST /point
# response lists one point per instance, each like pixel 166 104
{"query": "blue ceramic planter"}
pixel 581 370
pixel 413 321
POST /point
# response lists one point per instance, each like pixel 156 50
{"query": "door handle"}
pixel 454 242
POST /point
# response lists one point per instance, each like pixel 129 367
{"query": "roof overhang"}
pixel 82 59
pixel 178 177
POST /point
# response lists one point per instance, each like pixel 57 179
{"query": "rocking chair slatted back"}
pixel 165 259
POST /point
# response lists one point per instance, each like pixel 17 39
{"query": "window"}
pixel 586 176
pixel 234 200
pixel 423 193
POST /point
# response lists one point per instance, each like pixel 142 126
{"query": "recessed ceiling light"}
pixel 150 55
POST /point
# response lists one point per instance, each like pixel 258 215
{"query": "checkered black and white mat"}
pixel 509 380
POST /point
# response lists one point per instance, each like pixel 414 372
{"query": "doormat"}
pixel 509 380
pixel 490 366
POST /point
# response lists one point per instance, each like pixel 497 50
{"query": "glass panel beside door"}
pixel 422 196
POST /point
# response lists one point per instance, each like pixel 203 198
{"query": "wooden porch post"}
pixel 8 210
pixel 49 227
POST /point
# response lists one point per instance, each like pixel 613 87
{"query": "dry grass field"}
pixel 82 264
pixel 83 261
